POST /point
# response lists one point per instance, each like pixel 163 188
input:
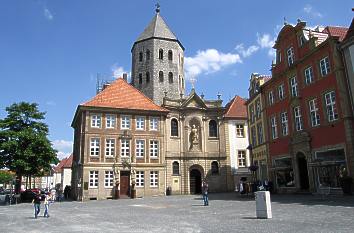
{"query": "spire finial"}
pixel 285 22
pixel 157 8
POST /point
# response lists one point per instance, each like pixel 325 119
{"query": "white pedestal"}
pixel 263 204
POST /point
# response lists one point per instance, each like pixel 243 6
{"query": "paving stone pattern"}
pixel 227 212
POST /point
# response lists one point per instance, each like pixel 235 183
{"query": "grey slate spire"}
pixel 157 62
pixel 157 28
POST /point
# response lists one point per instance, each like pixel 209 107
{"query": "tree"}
pixel 6 177
pixel 24 146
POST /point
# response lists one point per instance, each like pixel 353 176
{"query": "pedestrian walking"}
pixel 37 204
pixel 46 205
pixel 205 189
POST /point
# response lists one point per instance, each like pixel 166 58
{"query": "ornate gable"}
pixel 194 101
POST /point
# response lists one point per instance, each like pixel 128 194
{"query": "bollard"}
pixel 263 204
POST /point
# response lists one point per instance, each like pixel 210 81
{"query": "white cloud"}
pixel 209 61
pixel 118 71
pixel 64 148
pixel 246 52
pixel 265 41
pixel 309 10
pixel 48 14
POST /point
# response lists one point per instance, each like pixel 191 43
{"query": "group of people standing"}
pixel 37 204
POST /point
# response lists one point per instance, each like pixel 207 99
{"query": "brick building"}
pixel 310 124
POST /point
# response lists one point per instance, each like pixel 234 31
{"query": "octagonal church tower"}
pixel 157 62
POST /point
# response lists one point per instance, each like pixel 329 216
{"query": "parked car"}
pixel 6 195
pixel 27 195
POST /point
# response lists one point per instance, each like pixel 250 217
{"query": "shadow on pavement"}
pixel 303 199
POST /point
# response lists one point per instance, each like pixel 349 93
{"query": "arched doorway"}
pixel 303 172
pixel 195 180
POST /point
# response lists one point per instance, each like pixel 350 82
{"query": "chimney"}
pixel 125 77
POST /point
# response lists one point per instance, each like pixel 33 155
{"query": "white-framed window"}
pixel 93 181
pixel 140 123
pixel 274 130
pixel 154 123
pixel 284 123
pixel 124 148
pixel 96 121
pixel 94 147
pixel 298 118
pixel 139 178
pixel 308 75
pixel 241 158
pixel 270 98
pixel 260 133
pixel 331 109
pixel 125 122
pixel 110 147
pixel 293 85
pixel 254 136
pixel 281 91
pixel 240 130
pixel 110 121
pixel 315 116
pixel 154 178
pixel 324 66
pixel 258 109
pixel 291 57
pixel 154 148
pixel 278 56
pixel 302 40
pixel 108 179
pixel 139 148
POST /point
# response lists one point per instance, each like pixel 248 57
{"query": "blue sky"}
pixel 52 50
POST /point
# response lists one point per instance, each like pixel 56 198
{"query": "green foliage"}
pixel 6 177
pixel 24 146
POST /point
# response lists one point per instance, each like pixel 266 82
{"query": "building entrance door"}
pixel 124 184
pixel 195 181
pixel 303 173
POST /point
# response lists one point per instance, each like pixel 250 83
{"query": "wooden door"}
pixel 124 185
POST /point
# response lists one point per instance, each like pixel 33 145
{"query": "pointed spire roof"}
pixel 158 28
pixel 119 94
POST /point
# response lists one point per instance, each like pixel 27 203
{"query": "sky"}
pixel 51 51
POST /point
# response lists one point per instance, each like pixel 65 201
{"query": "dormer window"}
pixel 291 57
pixel 161 54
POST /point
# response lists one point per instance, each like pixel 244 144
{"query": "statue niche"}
pixel 194 136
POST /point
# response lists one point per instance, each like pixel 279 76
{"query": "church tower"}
pixel 157 62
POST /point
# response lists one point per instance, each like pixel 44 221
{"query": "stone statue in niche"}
pixel 194 137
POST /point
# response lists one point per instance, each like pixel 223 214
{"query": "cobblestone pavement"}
pixel 227 212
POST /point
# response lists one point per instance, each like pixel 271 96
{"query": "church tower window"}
pixel 161 76
pixel 170 55
pixel 140 79
pixel 174 128
pixel 147 54
pixel 161 54
pixel 170 77
pixel 213 129
pixel 147 77
pixel 140 56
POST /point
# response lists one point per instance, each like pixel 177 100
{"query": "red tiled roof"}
pixel 68 162
pixel 236 108
pixel 336 31
pixel 120 94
